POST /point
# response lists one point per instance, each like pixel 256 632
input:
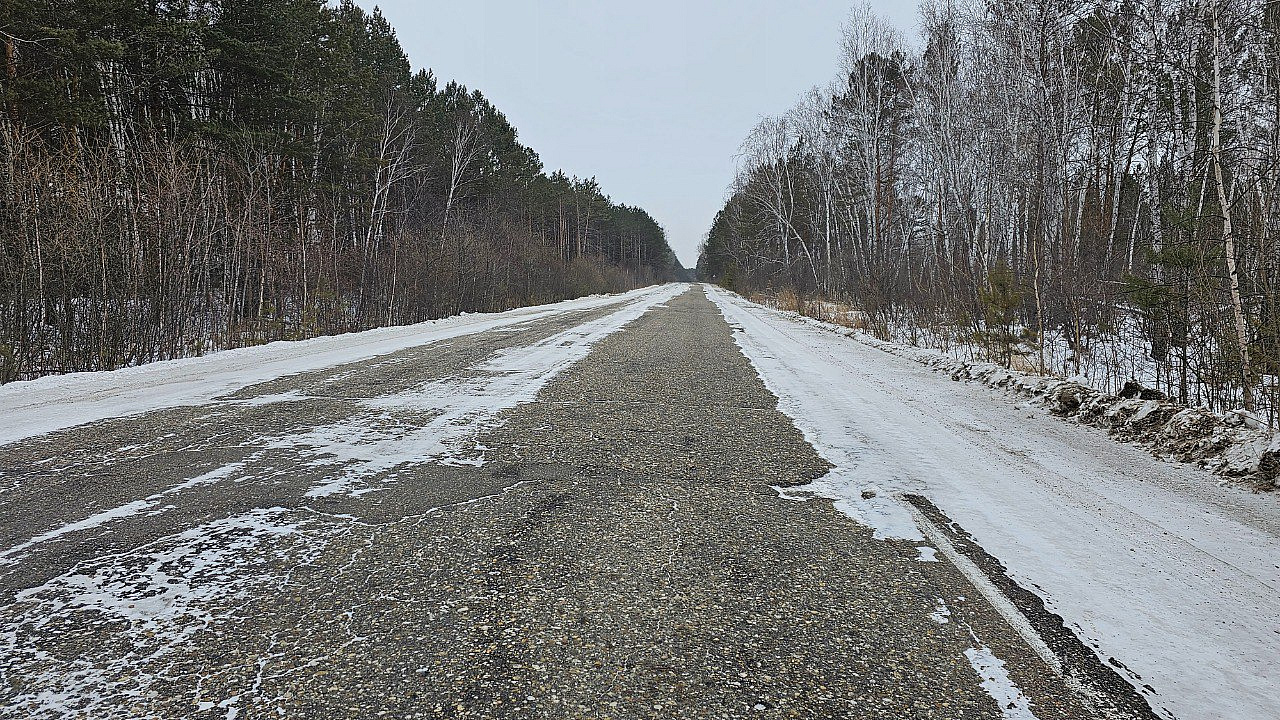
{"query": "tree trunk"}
pixel 1228 234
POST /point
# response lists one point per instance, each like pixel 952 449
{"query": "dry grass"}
pixel 850 318
pixel 839 314
pixel 791 301
pixel 1025 364
pixel 833 312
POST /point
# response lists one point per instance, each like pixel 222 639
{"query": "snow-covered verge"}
pixel 1237 446
pixel 1149 563
pixel 35 407
pixel 1105 360
pixel 1233 445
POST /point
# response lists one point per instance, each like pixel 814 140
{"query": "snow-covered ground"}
pixel 60 401
pixel 1151 563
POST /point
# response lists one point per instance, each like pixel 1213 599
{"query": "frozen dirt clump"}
pixel 1067 397
pixel 1269 462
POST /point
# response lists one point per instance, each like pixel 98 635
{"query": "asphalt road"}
pixel 612 548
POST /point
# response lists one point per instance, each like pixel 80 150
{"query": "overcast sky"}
pixel 652 98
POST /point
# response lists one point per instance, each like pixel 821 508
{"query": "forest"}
pixel 1080 187
pixel 181 177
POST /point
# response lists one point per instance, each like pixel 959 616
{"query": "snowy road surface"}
pixel 596 509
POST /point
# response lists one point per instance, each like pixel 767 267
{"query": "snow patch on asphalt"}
pixel 995 680
pixel 260 400
pixel 941 613
pixel 863 501
pixel 147 505
pixel 162 596
pixel 438 420
pixel 97 639
pixel 57 402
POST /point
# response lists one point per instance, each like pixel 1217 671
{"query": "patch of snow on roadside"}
pixel 56 402
pixel 146 505
pixel 927 554
pixel 103 631
pixel 995 680
pixel 1234 445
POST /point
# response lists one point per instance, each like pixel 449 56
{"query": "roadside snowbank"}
pixel 56 402
pixel 1235 445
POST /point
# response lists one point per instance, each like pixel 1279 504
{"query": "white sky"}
pixel 652 98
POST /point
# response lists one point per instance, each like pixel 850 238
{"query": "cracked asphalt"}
pixel 613 548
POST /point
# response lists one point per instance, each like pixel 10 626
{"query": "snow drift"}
pixel 1234 445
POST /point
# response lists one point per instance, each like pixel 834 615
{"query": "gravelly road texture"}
pixel 613 548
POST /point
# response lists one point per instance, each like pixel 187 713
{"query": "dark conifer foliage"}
pixel 184 176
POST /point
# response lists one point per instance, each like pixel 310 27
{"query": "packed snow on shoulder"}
pixel 1235 445
pixel 56 402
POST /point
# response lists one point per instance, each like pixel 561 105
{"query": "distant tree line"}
pixel 185 176
pixel 1038 175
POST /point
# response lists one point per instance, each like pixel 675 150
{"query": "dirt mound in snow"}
pixel 1234 445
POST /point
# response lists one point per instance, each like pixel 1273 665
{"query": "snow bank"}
pixel 1235 445
pixel 56 402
